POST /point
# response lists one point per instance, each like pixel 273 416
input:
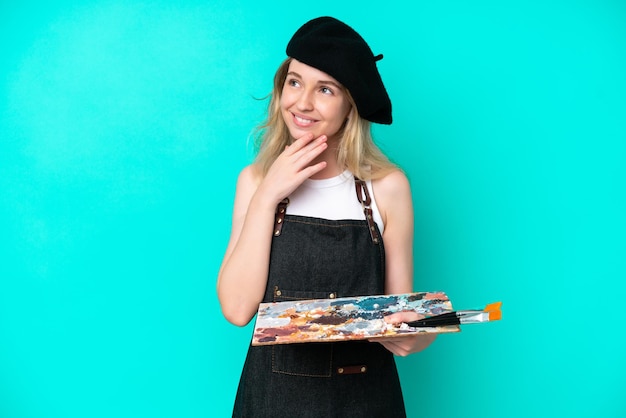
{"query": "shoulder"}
pixel 249 177
pixel 392 185
pixel 393 195
pixel 247 183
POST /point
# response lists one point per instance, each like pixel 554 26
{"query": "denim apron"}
pixel 314 258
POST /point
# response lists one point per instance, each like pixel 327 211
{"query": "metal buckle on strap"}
pixel 363 194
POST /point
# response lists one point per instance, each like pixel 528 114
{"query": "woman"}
pixel 321 213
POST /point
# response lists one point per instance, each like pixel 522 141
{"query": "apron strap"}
pixel 363 194
pixel 281 209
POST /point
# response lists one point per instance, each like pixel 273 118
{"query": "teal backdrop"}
pixel 123 126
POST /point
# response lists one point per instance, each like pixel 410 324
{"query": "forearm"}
pixel 243 277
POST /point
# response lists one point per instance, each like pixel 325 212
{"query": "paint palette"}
pixel 351 318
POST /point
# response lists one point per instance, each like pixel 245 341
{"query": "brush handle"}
pixel 448 318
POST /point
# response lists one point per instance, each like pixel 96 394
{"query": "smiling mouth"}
pixel 303 122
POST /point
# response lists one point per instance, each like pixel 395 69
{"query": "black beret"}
pixel 335 48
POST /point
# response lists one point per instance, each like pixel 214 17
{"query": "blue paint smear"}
pixel 369 304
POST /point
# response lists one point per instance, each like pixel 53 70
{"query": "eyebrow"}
pixel 334 83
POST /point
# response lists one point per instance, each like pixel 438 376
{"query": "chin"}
pixel 296 133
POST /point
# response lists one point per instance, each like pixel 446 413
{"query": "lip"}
pixel 302 121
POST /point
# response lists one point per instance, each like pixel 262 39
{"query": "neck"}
pixel 332 168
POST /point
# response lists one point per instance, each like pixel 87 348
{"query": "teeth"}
pixel 302 120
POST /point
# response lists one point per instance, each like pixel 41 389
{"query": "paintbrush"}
pixel 491 312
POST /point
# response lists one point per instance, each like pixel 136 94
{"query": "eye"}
pixel 293 82
pixel 326 90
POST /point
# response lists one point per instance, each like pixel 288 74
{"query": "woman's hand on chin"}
pixel 293 166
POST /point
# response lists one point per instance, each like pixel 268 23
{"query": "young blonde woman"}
pixel 321 213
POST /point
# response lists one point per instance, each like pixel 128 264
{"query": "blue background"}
pixel 123 126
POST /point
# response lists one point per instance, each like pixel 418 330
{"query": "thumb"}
pixel 405 316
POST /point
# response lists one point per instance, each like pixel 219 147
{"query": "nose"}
pixel 305 100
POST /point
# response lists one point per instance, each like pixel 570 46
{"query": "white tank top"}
pixel 334 198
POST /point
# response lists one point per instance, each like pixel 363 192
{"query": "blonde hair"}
pixel 357 151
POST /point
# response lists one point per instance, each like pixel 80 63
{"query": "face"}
pixel 312 101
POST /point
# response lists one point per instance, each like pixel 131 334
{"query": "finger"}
pixel 307 172
pixel 401 317
pixel 311 145
pixel 393 318
pixel 301 159
pixel 306 143
pixel 309 153
pixel 299 143
pixel 396 348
